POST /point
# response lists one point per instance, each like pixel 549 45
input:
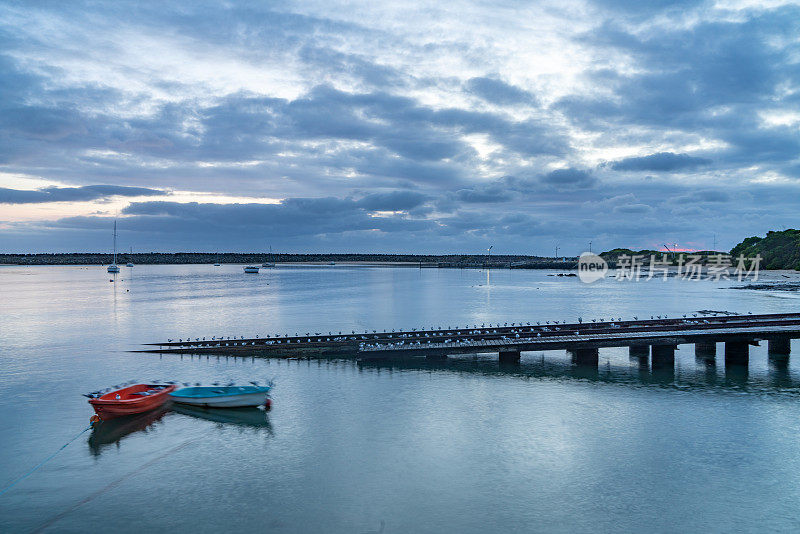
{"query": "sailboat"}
pixel 130 263
pixel 114 268
pixel 271 262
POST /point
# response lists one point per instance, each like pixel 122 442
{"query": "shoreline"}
pixel 199 258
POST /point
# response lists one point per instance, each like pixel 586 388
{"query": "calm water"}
pixel 461 446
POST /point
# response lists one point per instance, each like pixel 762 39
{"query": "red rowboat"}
pixel 131 400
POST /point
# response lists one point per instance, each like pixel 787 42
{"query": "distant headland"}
pixel 778 250
pixel 411 260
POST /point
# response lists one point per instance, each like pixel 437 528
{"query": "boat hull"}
pixel 228 398
pixel 129 403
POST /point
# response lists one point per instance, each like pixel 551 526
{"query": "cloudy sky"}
pixel 399 126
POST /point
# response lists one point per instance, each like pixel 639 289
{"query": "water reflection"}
pixel 247 417
pixel 108 433
pixel 702 374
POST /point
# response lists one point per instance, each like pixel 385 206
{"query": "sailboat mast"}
pixel 115 242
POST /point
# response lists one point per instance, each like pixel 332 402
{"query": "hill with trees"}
pixel 778 250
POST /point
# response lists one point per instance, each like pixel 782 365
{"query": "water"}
pixel 459 446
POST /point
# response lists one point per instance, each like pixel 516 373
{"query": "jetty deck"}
pixel 657 338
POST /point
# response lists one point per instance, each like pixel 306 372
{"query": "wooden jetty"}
pixel 656 339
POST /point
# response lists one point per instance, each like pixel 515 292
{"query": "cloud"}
pixel 640 8
pixel 498 92
pixel 660 162
pixel 74 194
pixel 709 80
pixel 702 196
pixel 292 217
pixel 633 208
pixel 347 111
pixel 392 201
pixel 568 178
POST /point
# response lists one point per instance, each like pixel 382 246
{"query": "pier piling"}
pixel 663 356
pixel 585 356
pixel 705 350
pixel 779 346
pixel 737 352
pixel 510 356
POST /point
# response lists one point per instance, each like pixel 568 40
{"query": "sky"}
pixel 397 127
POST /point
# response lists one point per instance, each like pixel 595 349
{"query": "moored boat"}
pixel 251 269
pixel 271 261
pixel 114 268
pixel 138 398
pixel 222 396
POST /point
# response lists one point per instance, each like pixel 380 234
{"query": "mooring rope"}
pixel 114 484
pixel 40 464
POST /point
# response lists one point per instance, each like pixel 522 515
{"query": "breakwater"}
pixel 410 260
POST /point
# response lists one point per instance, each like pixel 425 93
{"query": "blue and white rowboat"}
pixel 222 396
